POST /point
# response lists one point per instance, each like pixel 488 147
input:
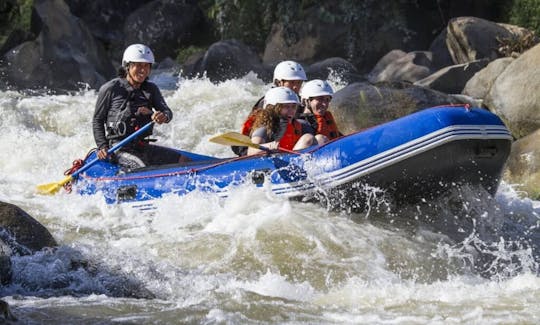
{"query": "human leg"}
pixel 307 140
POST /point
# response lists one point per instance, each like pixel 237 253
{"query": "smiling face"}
pixel 138 72
pixel 319 105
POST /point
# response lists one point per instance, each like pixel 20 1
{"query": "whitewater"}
pixel 251 258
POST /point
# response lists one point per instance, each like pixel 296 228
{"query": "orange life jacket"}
pixel 326 125
pixel 292 134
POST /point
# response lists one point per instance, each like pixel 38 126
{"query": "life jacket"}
pixel 128 119
pixel 247 127
pixel 248 124
pixel 292 134
pixel 326 125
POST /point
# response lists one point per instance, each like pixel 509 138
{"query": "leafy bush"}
pixel 525 13
pixel 14 15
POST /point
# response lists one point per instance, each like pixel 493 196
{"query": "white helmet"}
pixel 137 53
pixel 280 95
pixel 289 70
pixel 316 88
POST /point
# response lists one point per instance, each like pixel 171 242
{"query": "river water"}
pixel 251 258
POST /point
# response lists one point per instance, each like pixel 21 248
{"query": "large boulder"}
pixel 471 38
pixel 5 263
pixel 21 232
pixel 452 79
pixel 361 104
pixel 480 84
pixel 400 66
pixel 63 56
pixel 165 26
pixel 514 96
pixel 440 54
pixel 523 166
pixel 336 67
pixel 229 59
pixel 304 42
pixel 104 18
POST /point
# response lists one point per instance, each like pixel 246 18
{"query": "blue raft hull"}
pixel 415 157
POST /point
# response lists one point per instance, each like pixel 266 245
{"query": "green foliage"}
pixel 525 13
pixel 249 21
pixel 15 14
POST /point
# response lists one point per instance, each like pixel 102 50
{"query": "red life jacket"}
pixel 326 125
pixel 292 134
pixel 248 124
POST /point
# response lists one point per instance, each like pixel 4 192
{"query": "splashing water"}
pixel 252 257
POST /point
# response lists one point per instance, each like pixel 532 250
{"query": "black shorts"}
pixel 146 155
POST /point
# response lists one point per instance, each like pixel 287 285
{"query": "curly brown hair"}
pixel 268 118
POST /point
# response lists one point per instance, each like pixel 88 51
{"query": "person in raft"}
pixel 288 74
pixel 127 103
pixel 316 96
pixel 275 126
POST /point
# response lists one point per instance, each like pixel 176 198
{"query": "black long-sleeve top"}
pixel 117 98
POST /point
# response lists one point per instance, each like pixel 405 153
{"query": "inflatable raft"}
pixel 414 157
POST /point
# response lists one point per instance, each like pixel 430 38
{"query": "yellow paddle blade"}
pixel 52 188
pixel 234 139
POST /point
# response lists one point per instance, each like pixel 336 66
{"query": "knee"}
pixel 321 139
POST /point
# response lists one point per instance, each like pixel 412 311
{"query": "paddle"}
pixel 52 188
pixel 238 139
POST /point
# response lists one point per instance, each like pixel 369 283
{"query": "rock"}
pixel 440 53
pixel 480 84
pixel 230 59
pixel 105 18
pixel 514 96
pixel 311 40
pixel 408 67
pixel 5 264
pixel 64 54
pixel 24 229
pixel 452 80
pixel 5 311
pixel 523 166
pixel 361 104
pixel 165 26
pixel 338 67
pixel 471 39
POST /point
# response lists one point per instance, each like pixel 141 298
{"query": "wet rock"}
pixel 229 59
pixel 523 166
pixel 165 26
pixel 5 263
pixel 5 311
pixel 338 67
pixel 21 232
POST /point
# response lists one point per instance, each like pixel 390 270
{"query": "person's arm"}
pixel 103 104
pixel 259 137
pixel 163 113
